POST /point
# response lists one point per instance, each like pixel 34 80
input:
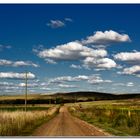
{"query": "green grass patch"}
pixel 117 118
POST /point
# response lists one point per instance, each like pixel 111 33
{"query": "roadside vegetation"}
pixel 121 118
pixel 20 123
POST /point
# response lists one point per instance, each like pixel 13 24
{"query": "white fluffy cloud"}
pixel 78 51
pixel 68 19
pixel 67 86
pixel 75 66
pixel 63 79
pixel 29 85
pixel 14 87
pixel 2 47
pixel 12 75
pixel 132 58
pixel 71 51
pixel 104 63
pixel 131 70
pixel 128 56
pixel 81 77
pixel 4 62
pixel 26 63
pixel 118 84
pixel 130 84
pixel 50 61
pixel 105 38
pixel 92 79
pixel 56 23
pixel 97 80
pixel 6 84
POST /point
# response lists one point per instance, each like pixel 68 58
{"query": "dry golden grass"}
pixel 13 97
pixel 12 123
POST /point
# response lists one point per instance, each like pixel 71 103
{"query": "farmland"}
pixel 14 121
pixel 118 117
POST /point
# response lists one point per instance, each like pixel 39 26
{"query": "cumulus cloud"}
pixel 131 58
pixel 134 70
pixel 118 84
pixel 56 23
pixel 97 80
pixel 130 84
pixel 81 77
pixel 26 63
pixel 61 79
pixel 50 61
pixel 71 51
pixel 89 56
pixel 13 87
pixel 9 88
pixel 4 62
pixel 68 19
pixel 105 38
pixel 67 86
pixel 64 79
pixel 45 88
pixel 92 79
pixel 13 75
pixel 128 56
pixel 29 85
pixel 2 47
pixel 75 66
pixel 6 84
pixel 103 63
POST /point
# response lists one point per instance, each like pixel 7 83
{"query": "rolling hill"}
pixel 70 97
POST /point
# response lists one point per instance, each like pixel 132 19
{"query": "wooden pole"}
pixel 75 98
pixel 50 100
pixel 26 91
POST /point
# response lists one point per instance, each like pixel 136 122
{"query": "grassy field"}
pixel 14 121
pixel 22 107
pixel 119 117
pixel 14 97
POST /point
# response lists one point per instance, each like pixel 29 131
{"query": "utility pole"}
pixel 75 98
pixel 50 100
pixel 26 90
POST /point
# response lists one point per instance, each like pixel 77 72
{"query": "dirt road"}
pixel 64 124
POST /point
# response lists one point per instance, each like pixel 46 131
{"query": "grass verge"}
pixel 116 121
pixel 28 130
pixel 21 123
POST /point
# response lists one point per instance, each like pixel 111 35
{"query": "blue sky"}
pixel 70 48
